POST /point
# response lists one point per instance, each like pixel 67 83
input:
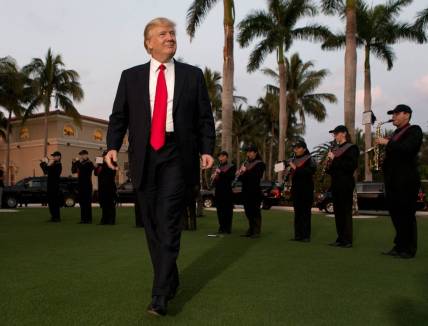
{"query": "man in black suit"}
pixel 165 107
pixel 402 181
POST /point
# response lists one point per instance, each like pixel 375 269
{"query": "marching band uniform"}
pixel 402 184
pixel 53 171
pixel 106 192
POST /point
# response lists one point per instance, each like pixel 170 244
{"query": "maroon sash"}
pixel 339 151
pixel 399 134
pixel 251 165
pixel 299 162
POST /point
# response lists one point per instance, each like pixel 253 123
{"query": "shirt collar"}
pixel 154 64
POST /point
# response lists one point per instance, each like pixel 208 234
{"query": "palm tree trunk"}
pixel 238 156
pixel 7 167
pixel 228 70
pixel 271 157
pixel 283 116
pixel 367 108
pixel 45 145
pixel 350 67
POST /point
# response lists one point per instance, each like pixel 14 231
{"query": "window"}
pixel 24 134
pixel 98 135
pixel 69 131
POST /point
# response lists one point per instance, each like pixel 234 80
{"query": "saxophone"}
pixel 327 162
pixel 377 157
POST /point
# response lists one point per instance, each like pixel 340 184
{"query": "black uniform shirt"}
pixel 84 171
pixel 251 179
pixel 223 182
pixel 53 172
pixel 342 168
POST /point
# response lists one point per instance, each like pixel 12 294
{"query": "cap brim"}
pixel 331 131
pixel 390 112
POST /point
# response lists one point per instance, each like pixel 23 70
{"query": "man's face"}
pixel 84 157
pixel 222 159
pixel 298 150
pixel 339 137
pixel 162 42
pixel 400 118
pixel 57 158
pixel 251 155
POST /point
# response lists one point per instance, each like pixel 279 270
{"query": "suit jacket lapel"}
pixel 143 91
pixel 178 84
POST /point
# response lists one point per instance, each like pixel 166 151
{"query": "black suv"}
pixel 33 190
pixel 371 196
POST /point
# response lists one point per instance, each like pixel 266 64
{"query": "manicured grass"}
pixel 71 274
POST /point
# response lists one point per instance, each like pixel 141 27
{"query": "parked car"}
pixel 126 193
pixel 271 191
pixel 33 190
pixel 370 195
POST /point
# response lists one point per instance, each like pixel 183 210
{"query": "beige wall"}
pixel 25 154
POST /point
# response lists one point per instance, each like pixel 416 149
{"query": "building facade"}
pixel 27 141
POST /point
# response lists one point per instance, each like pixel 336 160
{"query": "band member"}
pixel 402 181
pixel 164 105
pixel 106 192
pixel 250 173
pixel 53 169
pixel 303 169
pixel 84 167
pixel 344 162
pixel 222 179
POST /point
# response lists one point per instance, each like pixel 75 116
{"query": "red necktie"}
pixel 157 134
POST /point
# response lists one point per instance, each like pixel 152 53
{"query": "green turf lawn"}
pixel 71 274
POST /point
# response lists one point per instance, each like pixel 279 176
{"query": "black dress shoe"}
pixel 393 252
pixel 255 236
pixel 405 255
pixel 306 240
pixel 335 244
pixel 158 306
pixel 247 235
pixel 345 245
pixel 296 239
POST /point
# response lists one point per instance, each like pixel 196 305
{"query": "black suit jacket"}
pixel 193 119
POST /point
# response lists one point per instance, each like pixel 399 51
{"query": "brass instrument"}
pixel 288 170
pixel 327 162
pixel 377 157
pixel 240 171
pixel 214 176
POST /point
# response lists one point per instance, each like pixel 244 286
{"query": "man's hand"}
pixel 330 155
pixel 111 159
pixel 207 161
pixel 382 141
pixel 292 165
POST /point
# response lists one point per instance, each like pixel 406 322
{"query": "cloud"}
pixel 421 84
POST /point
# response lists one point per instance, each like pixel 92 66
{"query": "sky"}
pixel 99 39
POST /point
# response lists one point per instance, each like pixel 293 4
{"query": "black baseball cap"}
pixel 299 143
pixel 56 153
pixel 251 148
pixel 83 152
pixel 339 128
pixel 223 153
pixel 400 108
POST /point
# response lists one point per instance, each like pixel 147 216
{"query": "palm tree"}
pixel 422 19
pixel 347 9
pixel 195 14
pixel 277 29
pixel 13 94
pixel 378 29
pixel 269 106
pixel 212 80
pixel 302 81
pixel 51 80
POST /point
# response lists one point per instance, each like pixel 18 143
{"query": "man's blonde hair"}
pixel 160 21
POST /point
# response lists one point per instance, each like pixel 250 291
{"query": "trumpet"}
pixel 377 158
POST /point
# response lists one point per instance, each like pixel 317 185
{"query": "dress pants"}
pixel 224 205
pixel 342 201
pixel 85 203
pixel 54 205
pixel 162 201
pixel 401 204
pixel 302 216
pixel 253 212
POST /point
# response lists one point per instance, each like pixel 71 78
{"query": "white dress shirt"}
pixel 170 81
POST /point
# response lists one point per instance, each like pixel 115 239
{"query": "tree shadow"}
pixel 408 311
pixel 207 267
